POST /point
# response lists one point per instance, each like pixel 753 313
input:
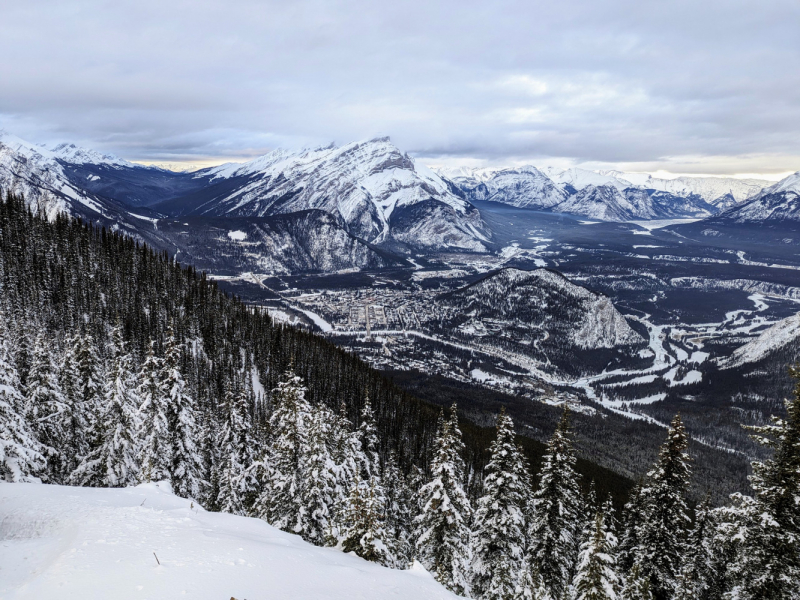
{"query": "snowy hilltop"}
pixel 145 542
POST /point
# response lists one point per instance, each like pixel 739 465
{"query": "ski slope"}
pixel 66 543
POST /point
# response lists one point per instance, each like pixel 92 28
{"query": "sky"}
pixel 691 87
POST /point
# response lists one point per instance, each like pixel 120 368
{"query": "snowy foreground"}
pixel 67 542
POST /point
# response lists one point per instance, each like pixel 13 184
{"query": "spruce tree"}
pixel 399 515
pixel 318 481
pixel 442 537
pixel 596 577
pixel 557 503
pixel 665 518
pixel 364 531
pixel 767 564
pixel 696 569
pixel 498 537
pixel 114 463
pixel 77 416
pixel 90 389
pixel 280 501
pixel 637 586
pixel 156 443
pixel 237 485
pixel 21 455
pixel 531 585
pixel 46 409
pixel 632 520
pixel 186 466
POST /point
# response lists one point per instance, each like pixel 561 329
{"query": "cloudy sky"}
pixel 696 86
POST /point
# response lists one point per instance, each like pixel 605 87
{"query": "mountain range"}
pixel 362 205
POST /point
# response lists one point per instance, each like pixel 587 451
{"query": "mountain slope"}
pixel 364 184
pixel 144 542
pixel 777 204
pixel 783 333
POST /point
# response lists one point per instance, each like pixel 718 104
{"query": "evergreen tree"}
pixel 280 500
pixel 637 586
pixel 767 564
pixel 596 577
pixel 364 532
pixel 632 520
pixel 237 484
pixel 186 464
pixel 156 445
pixel 498 538
pixel 114 463
pixel 556 524
pixel 531 585
pixel 399 518
pixel 665 519
pixel 46 409
pixel 77 417
pixel 347 458
pixel 21 455
pixel 318 481
pixel 368 436
pixel 90 389
pixel 696 569
pixel 444 520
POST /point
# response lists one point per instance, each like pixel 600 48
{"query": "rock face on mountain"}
pixel 543 301
pixel 378 193
pixel 777 204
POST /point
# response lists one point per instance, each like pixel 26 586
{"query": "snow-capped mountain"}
pixel 779 203
pixel 604 196
pixel 714 190
pixel 35 172
pixel 380 195
pixel 544 301
pixel 76 155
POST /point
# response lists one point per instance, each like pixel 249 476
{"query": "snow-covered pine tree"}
pixel 637 586
pixel 364 531
pixel 556 525
pixel 696 567
pixel 90 389
pixel 368 436
pixel 347 458
pixel 237 485
pixel 186 466
pixel 632 519
pixel 318 481
pixel 399 518
pixel 498 536
pixel 77 417
pixel 596 577
pixel 156 443
pixel 46 409
pixel 531 586
pixel 21 455
pixel 665 516
pixel 767 564
pixel 114 463
pixel 280 501
pixel 442 527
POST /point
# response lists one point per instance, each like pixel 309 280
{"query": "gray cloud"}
pixel 703 85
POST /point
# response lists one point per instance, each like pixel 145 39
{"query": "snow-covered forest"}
pixel 119 367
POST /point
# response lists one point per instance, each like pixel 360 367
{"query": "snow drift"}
pixel 146 543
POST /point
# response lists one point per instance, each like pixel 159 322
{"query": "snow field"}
pixel 64 543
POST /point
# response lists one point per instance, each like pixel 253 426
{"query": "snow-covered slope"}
pixel 779 335
pixel 524 187
pixel 145 543
pixel 777 203
pixel 379 193
pixel 579 179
